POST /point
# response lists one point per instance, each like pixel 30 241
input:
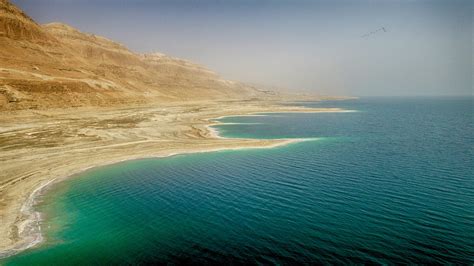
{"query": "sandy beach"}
pixel 39 148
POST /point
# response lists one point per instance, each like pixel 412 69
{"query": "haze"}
pixel 313 46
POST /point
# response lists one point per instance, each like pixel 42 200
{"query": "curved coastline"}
pixel 29 228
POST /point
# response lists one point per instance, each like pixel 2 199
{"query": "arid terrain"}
pixel 55 65
pixel 71 101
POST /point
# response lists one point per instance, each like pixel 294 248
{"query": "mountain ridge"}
pixel 57 66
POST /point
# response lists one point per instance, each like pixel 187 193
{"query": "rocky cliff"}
pixel 57 66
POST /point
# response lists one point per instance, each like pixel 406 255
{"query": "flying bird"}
pixel 374 32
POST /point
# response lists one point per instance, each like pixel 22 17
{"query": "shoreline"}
pixel 32 225
pixel 213 132
pixel 29 227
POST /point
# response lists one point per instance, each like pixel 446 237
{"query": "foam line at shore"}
pixel 298 111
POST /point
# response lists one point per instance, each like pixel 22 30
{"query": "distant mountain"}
pixel 56 65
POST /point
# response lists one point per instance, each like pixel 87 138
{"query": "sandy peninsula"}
pixel 38 148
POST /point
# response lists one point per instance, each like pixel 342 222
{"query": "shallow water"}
pixel 392 182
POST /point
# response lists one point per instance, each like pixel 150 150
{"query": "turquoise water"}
pixel 390 183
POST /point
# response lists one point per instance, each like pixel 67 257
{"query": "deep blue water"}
pixel 391 183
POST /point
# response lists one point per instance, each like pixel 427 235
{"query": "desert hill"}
pixel 56 65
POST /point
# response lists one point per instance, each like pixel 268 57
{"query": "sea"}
pixel 390 183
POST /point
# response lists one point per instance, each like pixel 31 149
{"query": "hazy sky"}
pixel 306 45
